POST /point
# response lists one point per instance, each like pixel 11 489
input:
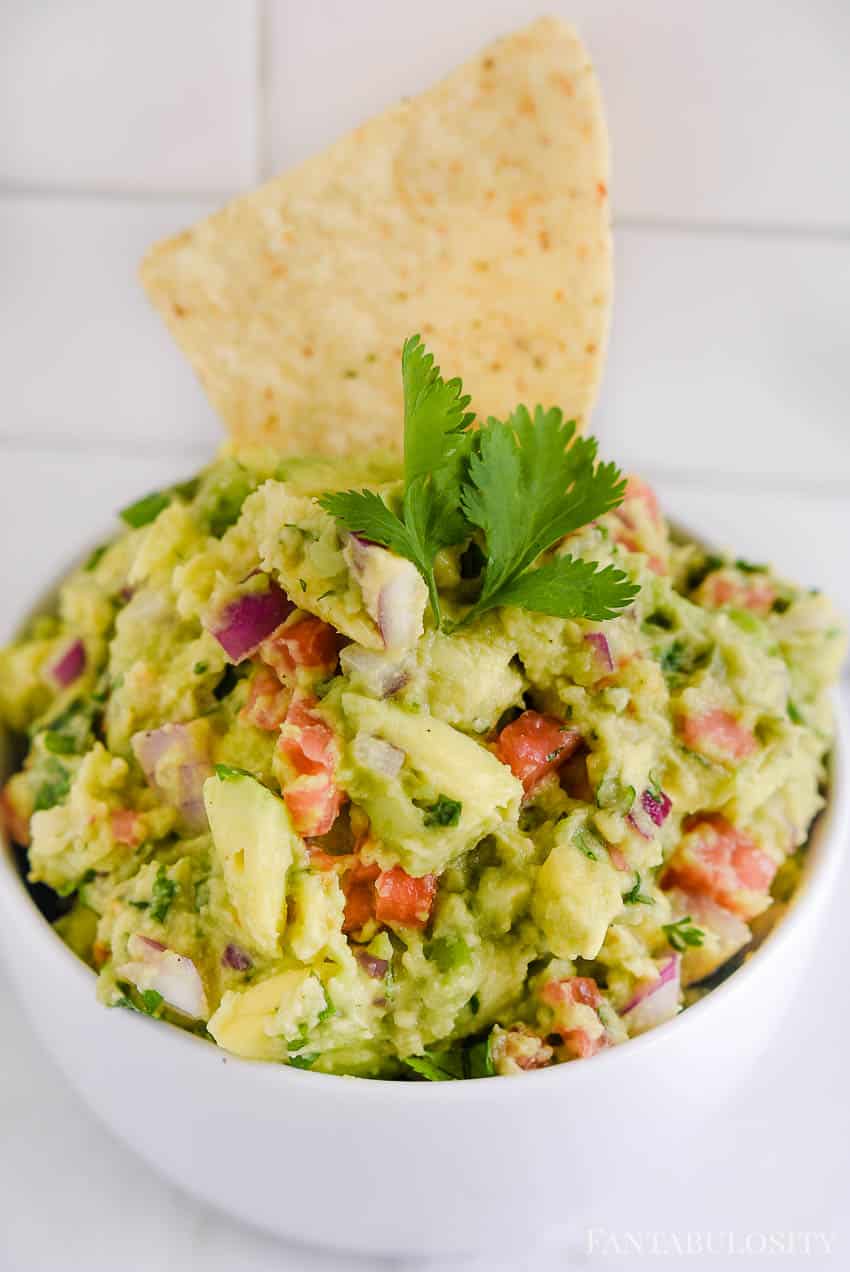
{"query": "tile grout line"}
pixel 707 479
pixel 263 169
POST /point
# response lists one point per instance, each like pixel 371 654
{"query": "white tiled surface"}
pixel 728 384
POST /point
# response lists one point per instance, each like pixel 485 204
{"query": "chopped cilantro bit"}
pixel 327 1011
pixel 53 788
pixel 794 714
pixel 781 605
pixel 470 1060
pixel 588 842
pixel 187 489
pixel 59 743
pixel 162 895
pixel 145 510
pixel 683 933
pixel 748 567
pixel 475 1004
pixel 634 896
pixel 658 618
pixel 199 668
pixel 152 1000
pixel 96 557
pixel 444 812
pixel 305 1061
pixel 302 583
pixel 229 773
pixel 325 595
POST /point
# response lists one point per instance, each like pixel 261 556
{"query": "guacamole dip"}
pixel 330 808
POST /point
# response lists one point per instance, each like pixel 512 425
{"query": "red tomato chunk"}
pixel 534 745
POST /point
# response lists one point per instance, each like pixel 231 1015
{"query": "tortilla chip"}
pixel 476 214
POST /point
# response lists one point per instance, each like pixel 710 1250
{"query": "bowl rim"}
pixel 827 835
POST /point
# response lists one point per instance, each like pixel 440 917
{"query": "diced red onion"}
pixel 373 966
pixel 656 806
pixel 236 958
pixel 245 623
pixel 181 784
pixel 381 674
pixel 657 1000
pixel 601 650
pixel 649 812
pixel 378 756
pixel 400 605
pixel 393 591
pixel 69 666
pixel 172 975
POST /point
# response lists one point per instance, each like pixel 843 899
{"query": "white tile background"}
pixel 728 384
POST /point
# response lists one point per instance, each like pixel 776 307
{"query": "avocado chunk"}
pixel 254 841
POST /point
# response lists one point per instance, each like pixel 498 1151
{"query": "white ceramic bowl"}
pixel 409 1168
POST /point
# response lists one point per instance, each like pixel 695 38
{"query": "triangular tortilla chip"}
pixel 476 214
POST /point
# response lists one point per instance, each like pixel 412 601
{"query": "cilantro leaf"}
pixel 443 812
pixel 683 933
pixel 162 895
pixel 468 1060
pixel 634 896
pixel 434 412
pixel 568 587
pixel 531 482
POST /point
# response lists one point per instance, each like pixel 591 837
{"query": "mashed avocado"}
pixel 287 811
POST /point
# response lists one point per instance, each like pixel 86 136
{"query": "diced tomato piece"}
pixel 756 595
pixel 718 735
pixel 307 643
pixel 573 989
pixel 717 860
pixel 580 1046
pixel 308 743
pixel 127 827
pixel 402 898
pixel 314 802
pixel 13 819
pixel 358 884
pixel 640 494
pixel 534 745
pixel 268 701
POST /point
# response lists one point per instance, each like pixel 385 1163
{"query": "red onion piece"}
pixel 656 806
pixel 69 666
pixel 655 1001
pixel 245 623
pixel 172 761
pixel 371 964
pixel 378 756
pixel 394 594
pixel 172 975
pixel 381 674
pixel 601 651
pixel 236 958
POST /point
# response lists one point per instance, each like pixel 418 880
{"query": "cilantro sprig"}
pixel 524 483
pixel 436 448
